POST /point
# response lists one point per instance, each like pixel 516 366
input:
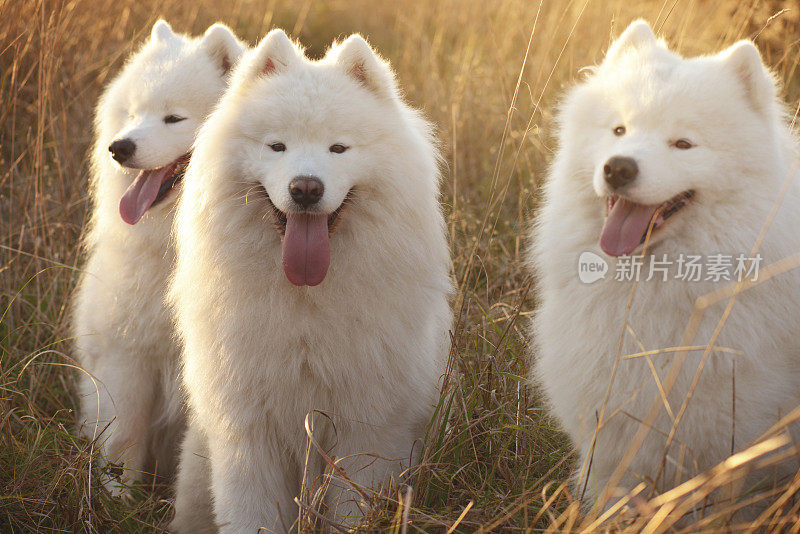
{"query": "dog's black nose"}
pixel 619 171
pixel 306 190
pixel 122 149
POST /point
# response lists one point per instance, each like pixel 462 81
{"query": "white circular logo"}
pixel 591 267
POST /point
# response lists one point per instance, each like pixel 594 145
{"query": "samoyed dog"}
pixel 689 155
pixel 145 125
pixel 312 280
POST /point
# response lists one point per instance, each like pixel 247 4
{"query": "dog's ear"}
pixel 221 44
pixel 162 32
pixel 360 62
pixel 637 36
pixel 275 53
pixel 745 62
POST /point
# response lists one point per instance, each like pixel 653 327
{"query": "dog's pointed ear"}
pixel 637 36
pixel 745 62
pixel 359 61
pixel 162 32
pixel 221 44
pixel 274 54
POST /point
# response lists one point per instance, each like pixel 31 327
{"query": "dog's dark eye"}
pixel 683 144
pixel 619 130
pixel 172 119
pixel 338 148
pixel 278 147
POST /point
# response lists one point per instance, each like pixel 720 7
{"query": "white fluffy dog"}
pixel 312 276
pixel 698 149
pixel 145 125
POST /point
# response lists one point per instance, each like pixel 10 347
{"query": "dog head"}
pixel 663 138
pixel 316 135
pixel 152 112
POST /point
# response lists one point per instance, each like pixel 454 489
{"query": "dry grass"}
pixel 468 65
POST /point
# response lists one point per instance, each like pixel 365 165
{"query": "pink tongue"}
pixel 625 226
pixel 143 192
pixel 306 248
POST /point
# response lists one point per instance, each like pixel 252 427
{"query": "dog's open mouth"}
pixel 627 222
pixel 279 218
pixel 150 187
pixel 305 242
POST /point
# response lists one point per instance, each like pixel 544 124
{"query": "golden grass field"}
pixel 488 74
